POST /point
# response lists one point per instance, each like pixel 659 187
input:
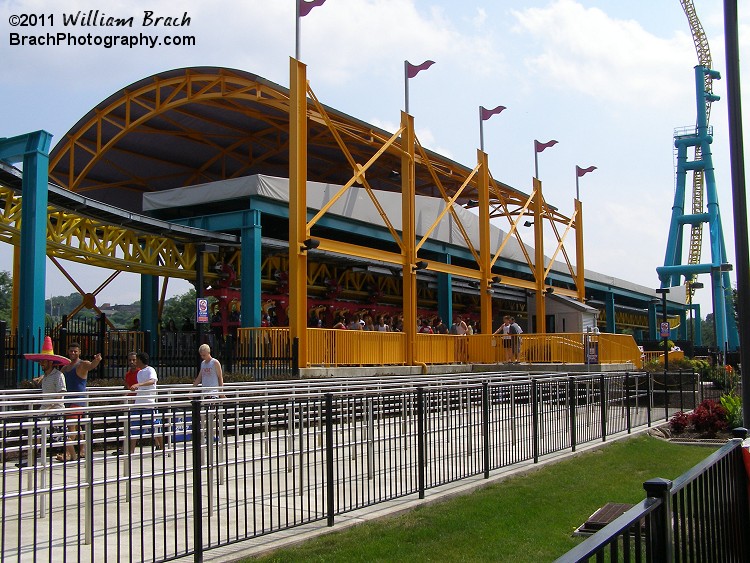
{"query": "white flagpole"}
pixel 481 130
pixel 296 37
pixel 406 86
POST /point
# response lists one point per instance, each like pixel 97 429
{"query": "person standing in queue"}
pixel 505 336
pixel 51 381
pixel 210 375
pixel 131 378
pixel 76 376
pixel 515 331
pixel 143 419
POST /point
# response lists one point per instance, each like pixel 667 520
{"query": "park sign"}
pixel 201 310
pixel 664 330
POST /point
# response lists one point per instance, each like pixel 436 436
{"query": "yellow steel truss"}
pixel 360 145
pixel 88 241
pixel 90 142
pixel 171 97
pixel 464 184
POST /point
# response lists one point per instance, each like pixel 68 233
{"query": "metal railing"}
pixel 210 471
pixel 269 353
pixel 331 347
pixel 701 516
pixel 262 353
pixel 649 356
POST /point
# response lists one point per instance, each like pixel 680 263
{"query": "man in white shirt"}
pixel 143 418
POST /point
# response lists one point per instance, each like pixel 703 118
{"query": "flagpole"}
pixel 481 130
pixel 406 87
pixel 536 162
pixel 582 172
pixel 296 37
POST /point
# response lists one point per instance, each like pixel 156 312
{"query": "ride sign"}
pixel 664 330
pixel 201 310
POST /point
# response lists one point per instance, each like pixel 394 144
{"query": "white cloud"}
pixel 356 38
pixel 612 60
pixel 424 134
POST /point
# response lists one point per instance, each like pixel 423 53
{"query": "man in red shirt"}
pixel 131 376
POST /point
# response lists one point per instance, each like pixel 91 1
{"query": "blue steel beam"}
pixel 671 273
pixel 251 264
pixel 444 293
pixel 609 307
pixel 150 310
pixel 33 150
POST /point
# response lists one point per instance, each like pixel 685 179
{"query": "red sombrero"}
pixel 47 354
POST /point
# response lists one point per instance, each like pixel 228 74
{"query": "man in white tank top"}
pixel 210 375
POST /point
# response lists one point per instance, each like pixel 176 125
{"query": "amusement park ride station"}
pixel 287 212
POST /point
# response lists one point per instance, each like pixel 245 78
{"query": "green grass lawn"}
pixel 523 518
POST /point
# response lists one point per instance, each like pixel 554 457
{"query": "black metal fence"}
pixel 701 516
pixel 265 354
pixel 270 456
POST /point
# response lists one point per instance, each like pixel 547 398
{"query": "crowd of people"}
pixel 62 375
pixel 64 379
pixel 392 323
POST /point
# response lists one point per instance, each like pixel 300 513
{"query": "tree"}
pixel 6 295
pixel 708 333
pixel 179 308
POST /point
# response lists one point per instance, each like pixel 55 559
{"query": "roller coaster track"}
pixel 704 59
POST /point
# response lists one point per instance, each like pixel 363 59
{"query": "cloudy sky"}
pixel 610 80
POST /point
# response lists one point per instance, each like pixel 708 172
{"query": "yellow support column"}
pixel 408 235
pixel 485 252
pixel 541 311
pixel 580 275
pixel 298 232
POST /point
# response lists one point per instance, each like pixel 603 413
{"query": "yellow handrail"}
pixel 673 355
pixel 332 347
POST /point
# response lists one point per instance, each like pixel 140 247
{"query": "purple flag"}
pixel 581 171
pixel 306 6
pixel 412 70
pixel 487 113
pixel 541 146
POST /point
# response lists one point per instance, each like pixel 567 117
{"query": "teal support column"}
pixel 653 325
pixel 682 333
pixel 250 273
pixel 445 295
pixel 33 150
pixel 150 310
pixel 697 335
pixel 609 309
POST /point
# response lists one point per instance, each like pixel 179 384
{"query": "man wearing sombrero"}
pixel 52 380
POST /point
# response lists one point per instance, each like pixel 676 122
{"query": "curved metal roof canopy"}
pixel 197 125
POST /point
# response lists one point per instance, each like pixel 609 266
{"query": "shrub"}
pixel 709 417
pixel 679 422
pixel 723 377
pixel 681 363
pixel 701 366
pixel 732 403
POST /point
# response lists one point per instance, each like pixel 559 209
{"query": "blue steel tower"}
pixel 670 274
